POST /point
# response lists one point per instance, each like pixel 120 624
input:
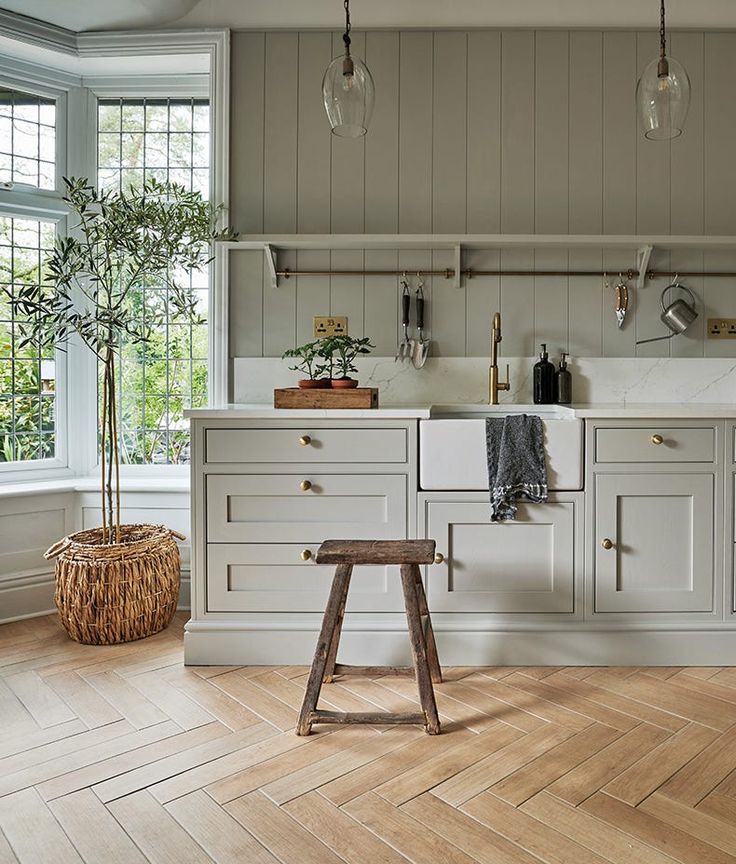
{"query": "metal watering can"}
pixel 678 316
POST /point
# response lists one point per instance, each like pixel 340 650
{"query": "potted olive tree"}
pixel 117 582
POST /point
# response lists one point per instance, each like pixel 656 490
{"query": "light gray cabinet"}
pixel 525 566
pixel 655 544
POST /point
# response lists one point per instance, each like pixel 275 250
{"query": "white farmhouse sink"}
pixel 452 446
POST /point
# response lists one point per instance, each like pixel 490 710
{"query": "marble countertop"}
pixel 609 410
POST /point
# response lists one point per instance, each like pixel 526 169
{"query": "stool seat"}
pixel 408 554
pixel 376 552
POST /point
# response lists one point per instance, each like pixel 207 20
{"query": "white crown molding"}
pixel 38 33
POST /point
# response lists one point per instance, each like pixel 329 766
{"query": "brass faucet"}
pixel 494 385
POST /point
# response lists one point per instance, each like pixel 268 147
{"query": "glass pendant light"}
pixel 347 90
pixel 663 93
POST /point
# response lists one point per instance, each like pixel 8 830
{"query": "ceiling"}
pixel 84 15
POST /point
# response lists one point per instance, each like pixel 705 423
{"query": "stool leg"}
pixel 418 648
pixel 336 633
pixel 311 695
pixel 432 657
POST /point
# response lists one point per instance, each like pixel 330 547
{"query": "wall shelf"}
pixel 641 246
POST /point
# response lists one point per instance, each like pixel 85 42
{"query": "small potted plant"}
pixel 342 351
pixel 309 359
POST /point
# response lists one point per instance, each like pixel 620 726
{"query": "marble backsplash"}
pixel 626 380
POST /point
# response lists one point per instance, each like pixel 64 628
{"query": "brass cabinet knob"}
pixel 306 554
pixel 305 440
pixel 606 543
pixel 305 485
pixel 439 558
pixel 657 439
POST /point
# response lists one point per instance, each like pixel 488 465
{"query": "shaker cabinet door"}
pixel 654 542
pixel 523 566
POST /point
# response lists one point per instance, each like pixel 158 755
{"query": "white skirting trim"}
pixel 209 645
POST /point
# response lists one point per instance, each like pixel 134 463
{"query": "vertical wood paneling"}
pixel 618 341
pixel 382 142
pixel 313 158
pixel 347 292
pixel 415 139
pixel 619 133
pixel 720 134
pixel 687 151
pixel 246 132
pixel 691 343
pixel 649 308
pixel 719 300
pixel 312 292
pixel 483 180
pixel 551 312
pixel 517 132
pixel 448 133
pixel 280 133
pixel 585 300
pixel 551 147
pixel 446 312
pixel 245 317
pixel 652 161
pixel 483 299
pixel 380 302
pixel 517 304
pixel 348 161
pixel 586 133
pixel 279 311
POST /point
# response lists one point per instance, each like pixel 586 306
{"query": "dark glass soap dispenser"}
pixel 544 379
pixel 563 386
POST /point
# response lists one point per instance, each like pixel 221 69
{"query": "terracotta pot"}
pixel 313 383
pixel 344 383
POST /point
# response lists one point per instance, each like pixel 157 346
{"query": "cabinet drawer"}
pixel 273 577
pixel 272 508
pixel 639 444
pixel 307 445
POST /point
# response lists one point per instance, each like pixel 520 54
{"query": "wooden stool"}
pixel 409 554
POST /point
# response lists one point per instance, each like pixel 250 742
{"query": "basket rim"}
pixel 147 535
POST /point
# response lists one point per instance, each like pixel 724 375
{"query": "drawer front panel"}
pixel 273 508
pixel 261 577
pixel 523 566
pixel 320 445
pixel 678 444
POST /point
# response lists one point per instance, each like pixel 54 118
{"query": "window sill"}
pixel 92 484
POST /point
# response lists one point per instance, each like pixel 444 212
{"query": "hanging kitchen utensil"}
pixel 405 347
pixel 622 300
pixel 678 316
pixel 421 346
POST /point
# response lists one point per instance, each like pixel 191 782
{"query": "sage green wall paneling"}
pixel 381 310
pixel 246 132
pixel 279 310
pixel 483 181
pixel 382 145
pixel 449 129
pixel 687 151
pixel 585 305
pixel 720 133
pixel 313 143
pixel 348 165
pixel 483 298
pixel 720 300
pixel 517 304
pixel 312 292
pixel 551 125
pixel 245 322
pixel 619 133
pixel 517 131
pixel 586 133
pixel 446 312
pixel 415 133
pixel 551 313
pixel 649 308
pixel 347 293
pixel 280 133
pixel 652 161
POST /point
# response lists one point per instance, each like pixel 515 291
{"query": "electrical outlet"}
pixel 336 325
pixel 722 328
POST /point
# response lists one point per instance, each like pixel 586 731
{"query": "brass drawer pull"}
pixel 305 440
pixel 657 439
pixel 606 543
pixel 305 485
pixel 439 558
pixel 306 554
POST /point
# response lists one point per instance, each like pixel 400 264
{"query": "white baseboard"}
pixel 207 644
pixel 32 594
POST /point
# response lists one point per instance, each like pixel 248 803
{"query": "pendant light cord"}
pixel 346 34
pixel 663 66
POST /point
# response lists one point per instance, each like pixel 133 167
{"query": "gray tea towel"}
pixel 517 467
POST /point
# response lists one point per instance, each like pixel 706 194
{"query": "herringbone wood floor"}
pixel 121 755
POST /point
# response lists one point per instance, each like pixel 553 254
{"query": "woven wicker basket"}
pixel 109 593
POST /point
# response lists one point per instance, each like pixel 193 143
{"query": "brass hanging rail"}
pixel 449 273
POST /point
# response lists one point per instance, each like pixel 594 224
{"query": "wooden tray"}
pixel 358 397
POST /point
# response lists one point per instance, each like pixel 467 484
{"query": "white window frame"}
pixel 76 403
